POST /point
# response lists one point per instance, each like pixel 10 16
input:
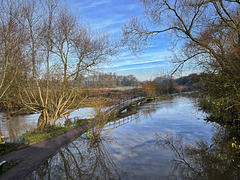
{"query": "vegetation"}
pixel 38 135
pixel 208 33
pixel 99 100
pixel 153 88
pixel 50 51
pixel 7 147
pixel 200 159
pixel 46 52
pixel 108 80
pixel 48 48
pixel 100 120
pixel 166 85
pixel 8 166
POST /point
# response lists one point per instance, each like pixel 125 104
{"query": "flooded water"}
pixel 161 140
pixel 14 127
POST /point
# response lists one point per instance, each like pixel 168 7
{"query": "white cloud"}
pixel 91 3
pixel 143 67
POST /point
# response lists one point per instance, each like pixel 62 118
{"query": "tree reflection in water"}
pixel 201 160
pixel 148 111
pixel 79 160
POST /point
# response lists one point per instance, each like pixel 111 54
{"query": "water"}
pixel 161 140
pixel 14 127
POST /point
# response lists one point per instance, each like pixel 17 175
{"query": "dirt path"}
pixel 31 157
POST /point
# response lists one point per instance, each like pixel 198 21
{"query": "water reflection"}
pixel 123 119
pixel 201 160
pixel 79 160
pixel 14 127
pixel 142 155
pixel 148 111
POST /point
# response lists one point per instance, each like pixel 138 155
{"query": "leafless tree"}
pixel 12 39
pixel 60 49
pixel 210 29
pixel 11 42
pixel 209 34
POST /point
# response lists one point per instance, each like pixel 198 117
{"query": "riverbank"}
pixel 125 143
pixel 30 157
pixel 34 136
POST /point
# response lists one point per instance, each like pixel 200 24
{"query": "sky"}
pixel 110 15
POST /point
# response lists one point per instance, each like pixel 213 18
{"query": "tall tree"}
pixel 60 48
pixel 12 39
pixel 210 29
pixel 210 34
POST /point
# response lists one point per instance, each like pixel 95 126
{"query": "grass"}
pixel 8 165
pixel 36 135
pixel 7 147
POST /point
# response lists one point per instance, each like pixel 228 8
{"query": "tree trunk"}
pixel 43 120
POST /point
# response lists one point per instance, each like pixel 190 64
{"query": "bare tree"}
pixel 61 49
pixel 11 41
pixel 208 33
pixel 211 29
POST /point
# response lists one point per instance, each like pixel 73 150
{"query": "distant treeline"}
pixel 167 85
pixel 215 94
pixel 108 80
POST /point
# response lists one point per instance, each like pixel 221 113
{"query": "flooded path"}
pixel 162 140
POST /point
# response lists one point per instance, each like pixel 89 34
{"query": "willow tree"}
pixel 60 48
pixel 209 34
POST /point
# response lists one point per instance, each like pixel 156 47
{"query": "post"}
pixel 1 142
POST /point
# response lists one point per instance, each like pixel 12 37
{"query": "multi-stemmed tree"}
pixel 55 48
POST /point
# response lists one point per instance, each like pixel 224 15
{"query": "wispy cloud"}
pixel 144 63
pixel 111 15
pixel 139 68
pixel 86 4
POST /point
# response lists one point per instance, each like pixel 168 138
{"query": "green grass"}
pixel 7 147
pixel 8 166
pixel 36 135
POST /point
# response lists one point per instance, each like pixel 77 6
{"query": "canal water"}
pixel 167 139
pixel 13 128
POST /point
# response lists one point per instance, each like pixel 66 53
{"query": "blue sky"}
pixel 111 15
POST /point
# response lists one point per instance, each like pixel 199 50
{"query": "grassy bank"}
pixel 36 135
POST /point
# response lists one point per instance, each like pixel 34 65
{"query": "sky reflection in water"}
pixel 162 140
